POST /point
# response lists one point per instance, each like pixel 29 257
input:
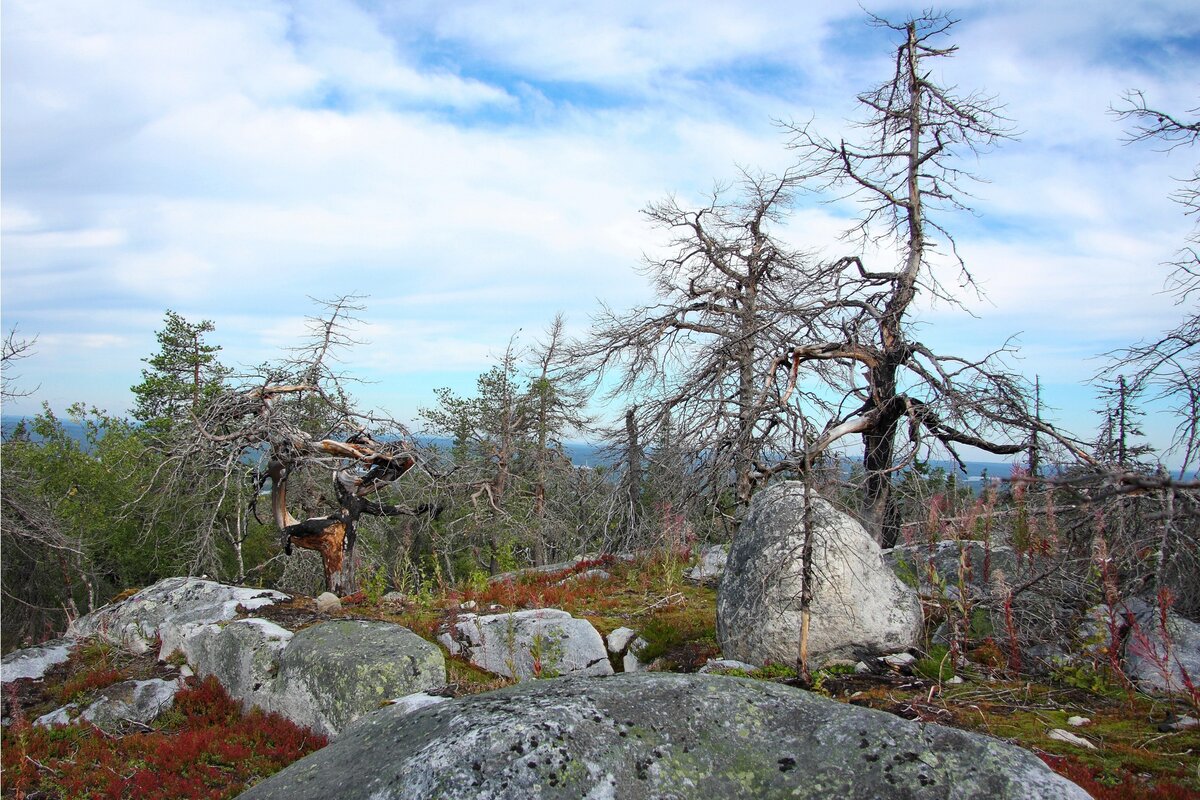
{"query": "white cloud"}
pixel 476 167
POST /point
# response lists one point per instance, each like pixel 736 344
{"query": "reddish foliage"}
pixel 1107 787
pixel 215 751
pixel 97 679
pixel 356 599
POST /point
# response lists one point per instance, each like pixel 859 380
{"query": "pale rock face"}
pixel 658 735
pixel 242 655
pixel 33 662
pixel 1156 660
pixel 710 567
pixel 544 642
pixel 618 640
pixel 859 605
pixel 632 661
pixel 169 611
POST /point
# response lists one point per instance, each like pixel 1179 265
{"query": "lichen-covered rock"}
pixel 59 716
pixel 859 605
pixel 130 702
pixel 168 612
pixel 544 642
pixel 32 662
pixel 658 736
pixel 335 672
pixel 242 655
pixel 710 567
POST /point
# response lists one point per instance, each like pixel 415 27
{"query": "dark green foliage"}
pixel 182 375
pixel 74 530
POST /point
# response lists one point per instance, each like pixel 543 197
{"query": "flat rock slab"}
pixel 168 612
pixel 33 662
pixel 137 702
pixel 657 736
pixel 545 642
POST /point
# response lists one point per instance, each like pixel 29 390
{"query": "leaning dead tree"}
pixel 294 419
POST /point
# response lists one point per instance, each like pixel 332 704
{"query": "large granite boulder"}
pixel 657 736
pixel 859 606
pixel 168 612
pixel 539 643
pixel 333 673
pixel 242 655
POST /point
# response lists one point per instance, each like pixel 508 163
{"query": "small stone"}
pixel 861 668
pixel 327 602
pixel 618 640
pixel 955 679
pixel 1078 722
pixel 1058 734
pixel 899 661
pixel 631 662
pixel 470 605
pixel 185 672
pixel 393 598
pixel 1182 724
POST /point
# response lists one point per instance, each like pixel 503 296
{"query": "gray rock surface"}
pixel 619 640
pixel 243 655
pixel 32 662
pixel 859 605
pixel 658 736
pixel 170 611
pixel 710 567
pixel 544 642
pixel 59 716
pixel 1157 660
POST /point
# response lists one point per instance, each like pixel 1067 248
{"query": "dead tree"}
pixel 700 359
pixel 858 329
pixel 289 418
pixel 1168 367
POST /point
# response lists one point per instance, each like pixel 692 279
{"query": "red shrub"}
pixel 215 751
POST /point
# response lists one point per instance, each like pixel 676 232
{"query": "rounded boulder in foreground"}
pixel 657 735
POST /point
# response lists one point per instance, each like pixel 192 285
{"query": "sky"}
pixel 475 168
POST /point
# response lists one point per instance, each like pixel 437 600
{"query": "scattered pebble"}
pixel 1078 722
